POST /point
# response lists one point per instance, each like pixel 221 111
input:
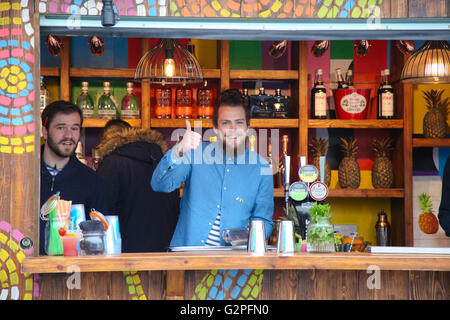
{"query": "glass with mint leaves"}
pixel 320 234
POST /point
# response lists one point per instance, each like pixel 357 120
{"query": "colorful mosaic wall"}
pixel 222 8
pixel 17 91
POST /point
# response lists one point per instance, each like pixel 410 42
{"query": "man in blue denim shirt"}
pixel 225 183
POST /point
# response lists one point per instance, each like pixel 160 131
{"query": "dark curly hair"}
pixel 231 98
pixel 56 107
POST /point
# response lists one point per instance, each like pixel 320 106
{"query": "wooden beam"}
pixel 175 285
pixel 224 65
pixel 65 86
pixel 145 92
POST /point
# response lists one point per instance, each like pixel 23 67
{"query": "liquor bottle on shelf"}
pixel 130 104
pixel 106 103
pixel 280 105
pixel 44 95
pixel 349 79
pixel 261 105
pixel 246 98
pixel 205 101
pixel 340 80
pixel 385 98
pixel 184 102
pixel 163 102
pixel 278 183
pixel 85 102
pixel 251 143
pixel 318 97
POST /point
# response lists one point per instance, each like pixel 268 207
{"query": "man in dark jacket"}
pixel 61 171
pixel 147 218
pixel 444 208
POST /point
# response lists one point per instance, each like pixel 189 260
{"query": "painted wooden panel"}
pixel 18 157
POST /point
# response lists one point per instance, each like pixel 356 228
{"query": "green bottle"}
pixel 130 104
pixel 107 106
pixel 85 102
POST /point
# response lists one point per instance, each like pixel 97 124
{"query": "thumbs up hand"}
pixel 191 140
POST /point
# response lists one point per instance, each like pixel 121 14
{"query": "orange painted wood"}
pixel 236 260
pixel 423 142
pixel 207 123
pixel 356 124
pixel 264 74
pixel 145 92
pixel 100 123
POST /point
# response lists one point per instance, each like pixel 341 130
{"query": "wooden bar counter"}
pixel 241 275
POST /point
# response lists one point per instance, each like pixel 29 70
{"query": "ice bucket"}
pixel 351 103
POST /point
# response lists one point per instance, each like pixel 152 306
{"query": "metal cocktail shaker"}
pixel 285 239
pixel 256 237
pixel 383 230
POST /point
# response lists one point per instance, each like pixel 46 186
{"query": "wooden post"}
pixel 19 146
pixel 224 65
pixel 175 285
pixel 64 79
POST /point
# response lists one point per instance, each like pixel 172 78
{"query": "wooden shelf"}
pixel 423 142
pixel 50 71
pixel 207 123
pixel 367 193
pixel 264 74
pixel 100 123
pixel 355 124
pixel 355 193
pixel 236 260
pixel 111 72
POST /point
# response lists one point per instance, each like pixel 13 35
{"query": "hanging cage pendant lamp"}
pixel 429 64
pixel 168 62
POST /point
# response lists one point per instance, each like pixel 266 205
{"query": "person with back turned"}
pixel 226 184
pixel 130 155
pixel 61 171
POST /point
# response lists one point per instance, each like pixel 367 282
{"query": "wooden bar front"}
pixel 240 275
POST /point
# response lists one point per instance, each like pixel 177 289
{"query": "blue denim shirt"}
pixel 241 188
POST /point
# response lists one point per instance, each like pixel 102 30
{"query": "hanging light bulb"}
pixel 429 64
pixel 168 62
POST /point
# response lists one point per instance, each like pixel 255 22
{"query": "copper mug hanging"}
pixel 54 45
pixel 96 45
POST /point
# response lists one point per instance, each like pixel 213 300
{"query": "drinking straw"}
pixel 55 245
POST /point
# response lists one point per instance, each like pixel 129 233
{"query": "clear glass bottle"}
pixel 205 101
pixel 251 143
pixel 280 105
pixel 107 105
pixel 85 102
pixel 349 79
pixel 320 235
pixel 130 104
pixel 184 102
pixel 318 97
pixel 163 102
pixel 385 98
pixel 340 79
pixel 44 95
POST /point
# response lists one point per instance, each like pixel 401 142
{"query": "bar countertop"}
pixel 236 260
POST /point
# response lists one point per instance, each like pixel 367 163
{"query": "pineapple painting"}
pixel 428 222
pixel 319 148
pixel 382 171
pixel 349 172
pixel 434 122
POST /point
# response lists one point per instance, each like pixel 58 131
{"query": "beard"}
pixel 59 150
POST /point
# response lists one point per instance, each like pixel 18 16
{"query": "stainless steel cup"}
pixel 285 239
pixel 256 237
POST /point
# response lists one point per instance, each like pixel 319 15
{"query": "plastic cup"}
pixel 70 244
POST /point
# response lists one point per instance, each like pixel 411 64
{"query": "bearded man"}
pixel 225 184
pixel 61 171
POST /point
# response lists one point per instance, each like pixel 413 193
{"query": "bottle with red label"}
pixel 385 107
pixel 205 101
pixel 318 97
